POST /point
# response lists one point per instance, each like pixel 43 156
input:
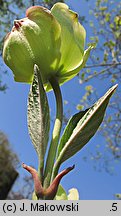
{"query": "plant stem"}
pixel 56 133
pixel 57 165
pixel 55 169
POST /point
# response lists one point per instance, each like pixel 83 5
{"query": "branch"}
pixel 96 74
pixel 103 65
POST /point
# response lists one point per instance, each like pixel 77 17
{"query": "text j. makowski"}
pixel 36 207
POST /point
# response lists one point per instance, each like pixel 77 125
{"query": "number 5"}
pixel 114 207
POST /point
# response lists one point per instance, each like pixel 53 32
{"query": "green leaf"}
pixel 61 194
pixel 38 115
pixel 34 197
pixel 73 194
pixel 82 127
pixel 69 129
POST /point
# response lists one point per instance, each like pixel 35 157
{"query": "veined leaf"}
pixel 38 115
pixel 82 127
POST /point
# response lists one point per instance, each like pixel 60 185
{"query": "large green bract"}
pixel 54 40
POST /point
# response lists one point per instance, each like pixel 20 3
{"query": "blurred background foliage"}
pixel 104 65
pixel 8 165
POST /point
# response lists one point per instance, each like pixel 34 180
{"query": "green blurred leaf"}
pixel 34 197
pixel 82 127
pixel 103 8
pixel 79 107
pixel 89 88
pixel 118 196
pixel 38 115
pixel 61 194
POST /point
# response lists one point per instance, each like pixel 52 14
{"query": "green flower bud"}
pixel 54 40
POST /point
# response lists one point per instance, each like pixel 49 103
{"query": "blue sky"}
pixel 13 122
